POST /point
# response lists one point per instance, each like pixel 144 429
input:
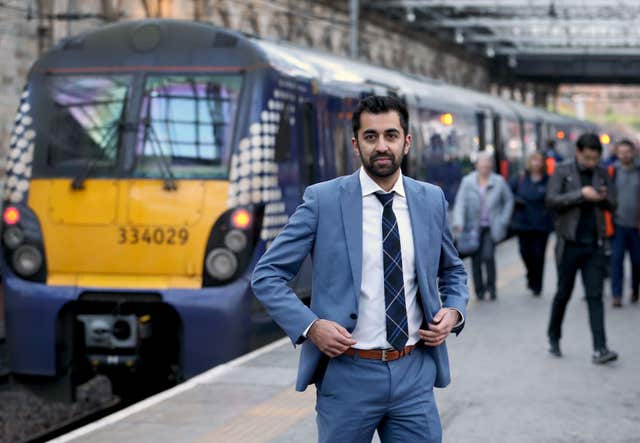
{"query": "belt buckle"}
pixel 384 355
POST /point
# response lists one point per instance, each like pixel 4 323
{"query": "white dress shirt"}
pixel 371 329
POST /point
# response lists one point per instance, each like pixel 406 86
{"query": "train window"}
pixel 187 124
pixel 512 143
pixel 308 166
pixel 341 142
pixel 448 144
pixel 530 137
pixel 85 121
pixel 283 137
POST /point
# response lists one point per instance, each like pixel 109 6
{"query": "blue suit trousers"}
pixel 357 396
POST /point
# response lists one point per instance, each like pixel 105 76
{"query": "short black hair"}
pixel 380 104
pixel 589 140
pixel 626 141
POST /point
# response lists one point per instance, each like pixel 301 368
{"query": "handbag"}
pixel 468 241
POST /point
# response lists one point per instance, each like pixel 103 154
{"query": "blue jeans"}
pixel 624 239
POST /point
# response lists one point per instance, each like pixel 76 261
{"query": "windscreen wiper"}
pixel 115 129
pixel 164 166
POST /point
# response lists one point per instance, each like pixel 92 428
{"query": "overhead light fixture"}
pixel 411 15
pixel 512 61
pixel 459 37
pixel 491 52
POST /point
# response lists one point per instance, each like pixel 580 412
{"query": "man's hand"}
pixel 440 327
pixel 590 194
pixel 330 337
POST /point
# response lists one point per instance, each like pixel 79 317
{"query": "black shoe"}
pixel 554 347
pixel 480 296
pixel 604 355
pixel 536 293
pixel 492 295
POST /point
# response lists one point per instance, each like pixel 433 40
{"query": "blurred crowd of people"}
pixel 593 205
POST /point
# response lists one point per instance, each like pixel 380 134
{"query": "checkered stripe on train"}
pixel 254 171
pixel 20 160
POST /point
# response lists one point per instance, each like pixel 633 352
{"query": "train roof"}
pixel 341 74
pixel 129 45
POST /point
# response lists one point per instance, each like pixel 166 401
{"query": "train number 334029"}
pixel 133 235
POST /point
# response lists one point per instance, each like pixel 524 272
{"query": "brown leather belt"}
pixel 380 354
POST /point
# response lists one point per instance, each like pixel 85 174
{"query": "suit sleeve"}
pixel 452 277
pixel 280 264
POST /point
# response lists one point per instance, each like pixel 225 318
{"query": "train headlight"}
pixel 235 240
pixel 221 264
pixel 13 237
pixel 27 260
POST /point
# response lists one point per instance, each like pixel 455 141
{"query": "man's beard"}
pixel 381 171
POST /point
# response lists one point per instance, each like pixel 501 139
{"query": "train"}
pixel 152 163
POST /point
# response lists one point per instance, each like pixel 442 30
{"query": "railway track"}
pixel 76 422
pixel 19 427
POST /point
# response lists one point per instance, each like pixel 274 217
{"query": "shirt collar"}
pixel 369 186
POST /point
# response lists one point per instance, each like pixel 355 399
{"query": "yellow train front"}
pixel 135 208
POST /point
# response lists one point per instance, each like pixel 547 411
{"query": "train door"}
pixel 482 130
pixel 498 145
pixel 312 158
pixel 336 128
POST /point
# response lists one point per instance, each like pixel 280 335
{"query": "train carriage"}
pixel 152 163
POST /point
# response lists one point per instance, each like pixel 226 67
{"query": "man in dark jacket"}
pixel 578 193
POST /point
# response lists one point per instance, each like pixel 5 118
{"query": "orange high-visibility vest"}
pixel 551 165
pixel 608 216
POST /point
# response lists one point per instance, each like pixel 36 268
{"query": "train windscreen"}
pixel 182 125
pixel 186 125
pixel 85 122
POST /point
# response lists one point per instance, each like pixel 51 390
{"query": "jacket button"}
pixel 353 316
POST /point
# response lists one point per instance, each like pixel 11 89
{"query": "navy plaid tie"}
pixel 395 309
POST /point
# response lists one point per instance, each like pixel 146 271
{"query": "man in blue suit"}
pixel 388 288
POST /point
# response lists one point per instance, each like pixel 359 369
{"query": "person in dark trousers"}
pixel 484 202
pixel 626 228
pixel 578 194
pixel 531 220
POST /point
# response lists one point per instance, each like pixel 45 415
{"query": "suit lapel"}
pixel 351 205
pixel 419 225
pixel 425 230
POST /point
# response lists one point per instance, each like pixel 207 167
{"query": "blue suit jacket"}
pixel 328 225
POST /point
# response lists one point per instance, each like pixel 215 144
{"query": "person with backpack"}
pixel 531 220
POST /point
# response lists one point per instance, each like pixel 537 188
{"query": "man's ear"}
pixel 356 147
pixel 407 144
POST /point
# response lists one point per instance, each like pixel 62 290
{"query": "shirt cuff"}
pixel 306 331
pixel 457 325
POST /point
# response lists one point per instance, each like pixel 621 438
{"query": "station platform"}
pixel 505 388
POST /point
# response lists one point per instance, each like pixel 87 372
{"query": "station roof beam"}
pixel 534 40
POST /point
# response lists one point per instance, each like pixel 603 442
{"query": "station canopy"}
pixel 554 40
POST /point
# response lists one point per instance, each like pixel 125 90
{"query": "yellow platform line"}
pixel 266 420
